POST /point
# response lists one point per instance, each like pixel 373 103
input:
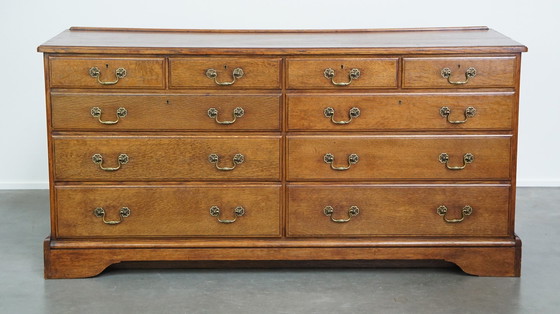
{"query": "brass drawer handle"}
pixel 213 74
pixel 352 114
pixel 467 159
pixel 470 73
pixel 237 159
pixel 237 212
pixel 354 74
pixel 352 160
pixel 237 113
pixel 96 73
pixel 469 113
pixel 123 213
pixel 96 113
pixel 98 160
pixel 466 211
pixel 352 212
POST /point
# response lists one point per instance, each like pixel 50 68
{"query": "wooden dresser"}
pixel 267 146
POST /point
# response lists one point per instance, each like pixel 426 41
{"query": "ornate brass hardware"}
pixel 213 74
pixel 466 211
pixel 352 160
pixel 123 213
pixel 352 212
pixel 237 212
pixel 96 113
pixel 237 159
pixel 467 159
pixel 470 73
pixel 352 114
pixel 354 74
pixel 96 73
pixel 237 113
pixel 469 113
pixel 98 160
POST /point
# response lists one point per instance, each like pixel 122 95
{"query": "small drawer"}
pixel 397 210
pixel 378 112
pixel 171 158
pixel 342 73
pixel 225 73
pixel 107 72
pixel 110 112
pixel 459 72
pixel 387 157
pixel 157 211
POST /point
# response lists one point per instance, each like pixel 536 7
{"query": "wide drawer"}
pixel 107 72
pixel 143 157
pixel 225 73
pixel 341 112
pixel 149 211
pixel 342 73
pixel 459 72
pixel 385 157
pixel 110 112
pixel 398 210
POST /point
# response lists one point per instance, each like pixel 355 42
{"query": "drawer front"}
pixel 398 157
pixel 160 158
pixel 313 73
pixel 342 112
pixel 110 112
pixel 447 72
pixel 400 210
pixel 168 211
pixel 225 73
pixel 107 72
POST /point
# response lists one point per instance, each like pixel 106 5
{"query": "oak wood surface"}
pixel 166 157
pixel 168 211
pixel 74 72
pixel 259 73
pixel 398 157
pixel 394 111
pixel 496 71
pixel 397 210
pixel 308 73
pixel 72 111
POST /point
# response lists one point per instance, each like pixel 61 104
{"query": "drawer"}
pixel 398 210
pixel 343 112
pixel 385 157
pixel 168 211
pixel 109 112
pixel 107 72
pixel 459 72
pixel 304 73
pixel 225 73
pixel 159 158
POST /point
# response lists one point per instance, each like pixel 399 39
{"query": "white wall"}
pixel 26 24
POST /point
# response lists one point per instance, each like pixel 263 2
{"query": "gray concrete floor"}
pixel 24 223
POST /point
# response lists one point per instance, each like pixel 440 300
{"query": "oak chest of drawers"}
pixel 246 146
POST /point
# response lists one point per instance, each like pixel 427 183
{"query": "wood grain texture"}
pixel 398 157
pixel 395 111
pixel 480 261
pixel 74 72
pixel 157 158
pixel 308 73
pixel 172 211
pixel 72 111
pixel 259 73
pixel 397 210
pixel 498 71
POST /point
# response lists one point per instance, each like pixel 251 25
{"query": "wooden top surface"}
pixel 362 41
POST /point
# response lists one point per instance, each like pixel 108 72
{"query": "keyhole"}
pixel 400 102
pixel 167 101
pixel 341 66
pixel 225 66
pixel 458 66
pixel 106 66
